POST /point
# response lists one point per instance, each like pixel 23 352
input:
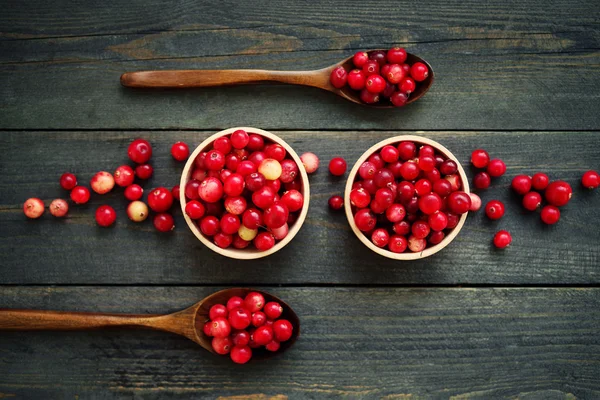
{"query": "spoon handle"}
pixel 60 320
pixel 211 78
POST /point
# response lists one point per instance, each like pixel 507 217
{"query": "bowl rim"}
pixel 352 176
pixel 245 254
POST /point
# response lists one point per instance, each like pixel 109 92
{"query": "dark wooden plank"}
pixel 372 343
pixel 500 65
pixel 75 250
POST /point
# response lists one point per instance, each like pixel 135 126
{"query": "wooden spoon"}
pixel 188 322
pixel 318 78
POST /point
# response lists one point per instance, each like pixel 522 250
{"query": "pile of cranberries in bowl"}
pixel 244 324
pixel 381 76
pixel 243 190
pixel 406 196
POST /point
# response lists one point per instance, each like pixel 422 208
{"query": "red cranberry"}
pixel 453 220
pixel 255 142
pixel 263 335
pixel 192 189
pixel 395 213
pixel 396 55
pixel 558 193
pixel 389 154
pixel 199 160
pixel 230 224
pixel 220 327
pixel 368 97
pixel 590 179
pixel 242 154
pixel 482 180
pixel 416 245
pixel 540 181
pixel 401 228
pixel 426 163
pixel 263 197
pixel 496 168
pixel 383 177
pixel 180 151
pixel 264 241
pixel 407 85
pixel 199 174
pixel 379 56
pixel 252 218
pixel 80 195
pixel 207 328
pixel 410 171
pixel 223 240
pixel 426 150
pixel 385 197
pixel 246 168
pixel 258 318
pixel 459 202
pixel 502 239
pixel 240 338
pixel 436 237
pixel 423 187
pixel 494 209
pixel 34 208
pixel 397 243
pixel 550 215
pixel 532 200
pixel 338 77
pixel 454 181
pixel 235 205
pixel 194 209
pixel 68 181
pixel 139 151
pixel 380 237
pixel 395 74
pixel 296 184
pixel 105 216
pixel 234 185
pixel 58 208
pixel 365 220
pixel 337 166
pixel 360 198
pixel 412 206
pixel 275 151
pixel 289 171
pixel 240 318
pixel 218 310
pixel 135 192
pixel 222 345
pixel 408 150
pixel 430 203
pixel 211 190
pixel 406 191
pixel 521 184
pixel 160 199
pixel 399 99
pixel 389 90
pixel 294 200
pixel 357 79
pixel 442 187
pixel 164 222
pixel 215 160
pixel 239 139
pixel 367 170
pixel 222 144
pixel 102 182
pixel 370 186
pixel 254 301
pixel 241 354
pixel 124 176
pixel 360 58
pixel 335 202
pixel 273 310
pixel 143 171
pixel 276 215
pixel 480 158
pixel 232 161
pixel 419 71
pixel 234 302
pixel 448 167
pixel 282 330
pixel 438 221
pixel 420 229
pixel 209 225
pixel 376 160
pixel 255 181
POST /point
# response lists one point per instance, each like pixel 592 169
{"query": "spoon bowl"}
pixel 316 78
pixel 188 322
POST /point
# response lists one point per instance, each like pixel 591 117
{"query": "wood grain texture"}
pixel 75 250
pixel 358 343
pixel 500 64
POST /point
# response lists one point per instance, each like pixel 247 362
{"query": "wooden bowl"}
pixel 248 253
pixel 406 255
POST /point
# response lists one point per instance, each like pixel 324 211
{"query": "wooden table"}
pixel 520 79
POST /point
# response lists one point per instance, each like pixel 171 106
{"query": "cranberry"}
pixel 540 181
pixel 385 197
pixel 134 192
pixel 247 234
pixel 558 193
pixel 396 55
pixel 360 58
pixel 264 241
pixel 395 213
pixel 229 224
pixel 454 182
pixel 399 99
pixel 246 168
pixel 241 354
pixel 194 209
pixel 532 200
pixel 276 215
pixel 232 161
pixel 289 171
pixel 590 179
pixel 270 168
pixel 252 218
pixel 475 202
pixel 242 154
pixel 281 232
pixel 426 163
pixel 397 243
pixel 423 187
pixel 68 181
pixel 360 198
pixel 218 311
pixel 480 158
pixel 254 301
pixel 521 184
pixel 452 220
pixel 207 328
pixel 459 202
pixel 416 245
pixel 160 199
pixel 80 195
pixel 234 185
pixel 442 187
pixel 143 171
pixel 139 151
pixel 223 240
pixel 430 203
pixel 409 170
pixel 357 79
pixel 401 228
pixel 395 74
pixel 222 345
pixel 408 150
pixel 209 225
pixel 367 170
pixel 426 150
pixel 174 191
pixel 407 85
pixel 377 161
pixel 338 77
pixel 294 200
pixel 482 180
pixel 235 205
pixel 380 237
pixel 419 71
pixel 123 177
pixel 420 229
pixel 550 215
pixel 220 327
pixel 34 208
pixel 105 216
pixel 210 190
pixel 494 209
pixel 337 166
pixel 180 151
pixel 239 139
pixel 448 167
pixel 255 181
pixel 234 302
pixel 496 168
pixel 406 191
pixel 263 197
pixel 222 144
pixel 502 239
pixel 437 221
pixel 164 222
pixel 240 338
pixel 275 151
pixel 58 208
pixel 273 310
pixel 273 345
pixel 258 318
pixel 335 202
pixel 137 211
pixel 215 160
pixel 192 189
pixel 369 185
pixel 436 237
pixel 255 142
pixel 282 330
pixel 365 220
pixel 412 207
pixel 310 162
pixel 199 161
pixel 368 97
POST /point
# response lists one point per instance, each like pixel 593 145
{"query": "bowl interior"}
pixel 352 176
pixel 250 252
